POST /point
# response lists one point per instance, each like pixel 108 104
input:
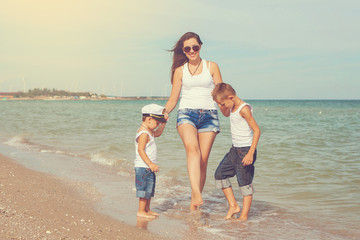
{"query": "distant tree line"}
pixel 36 92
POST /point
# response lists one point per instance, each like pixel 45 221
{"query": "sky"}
pixel 279 49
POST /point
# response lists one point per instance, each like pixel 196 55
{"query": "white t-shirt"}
pixel 150 150
pixel 241 132
pixel 196 90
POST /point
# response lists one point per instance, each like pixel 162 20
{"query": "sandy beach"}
pixel 36 205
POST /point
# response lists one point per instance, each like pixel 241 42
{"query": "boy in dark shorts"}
pixel 240 160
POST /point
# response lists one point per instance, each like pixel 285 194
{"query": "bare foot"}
pixel 196 200
pixel 193 207
pixel 153 213
pixel 232 210
pixel 243 218
pixel 145 215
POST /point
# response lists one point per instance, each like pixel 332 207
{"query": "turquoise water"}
pixel 307 172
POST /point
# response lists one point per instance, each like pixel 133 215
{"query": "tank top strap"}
pixel 207 65
pixel 241 107
pixel 185 68
pixel 141 132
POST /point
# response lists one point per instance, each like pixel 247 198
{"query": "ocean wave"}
pixel 102 160
pixel 122 166
pixel 22 142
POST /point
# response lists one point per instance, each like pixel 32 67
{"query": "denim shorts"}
pixel 145 181
pixel 231 165
pixel 202 120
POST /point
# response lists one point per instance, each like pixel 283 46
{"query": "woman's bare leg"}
pixel 189 137
pixel 206 141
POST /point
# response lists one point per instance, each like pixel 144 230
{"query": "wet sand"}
pixel 36 205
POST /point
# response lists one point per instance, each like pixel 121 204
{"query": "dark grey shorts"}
pixel 231 165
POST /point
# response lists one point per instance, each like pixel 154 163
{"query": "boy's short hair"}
pixel 222 91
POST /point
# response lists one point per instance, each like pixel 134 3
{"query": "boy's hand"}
pixel 248 159
pixel 154 167
pixel 225 111
pixel 223 108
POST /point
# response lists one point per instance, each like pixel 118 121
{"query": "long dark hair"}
pixel 179 58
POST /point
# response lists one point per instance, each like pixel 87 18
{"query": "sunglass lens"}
pixel 196 48
pixel 187 49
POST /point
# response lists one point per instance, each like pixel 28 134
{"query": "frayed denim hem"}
pixel 223 183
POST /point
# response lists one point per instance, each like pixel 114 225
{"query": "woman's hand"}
pixel 166 116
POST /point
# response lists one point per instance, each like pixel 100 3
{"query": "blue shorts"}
pixel 231 165
pixel 202 120
pixel 145 181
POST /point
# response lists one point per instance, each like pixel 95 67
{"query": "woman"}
pixel 197 119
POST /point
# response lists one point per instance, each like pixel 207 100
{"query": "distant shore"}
pixel 46 98
pixel 53 94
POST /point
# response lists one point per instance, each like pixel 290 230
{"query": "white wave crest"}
pixel 102 160
pixel 19 141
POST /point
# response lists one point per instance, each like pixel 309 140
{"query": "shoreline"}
pixel 81 99
pixel 36 205
pixel 58 198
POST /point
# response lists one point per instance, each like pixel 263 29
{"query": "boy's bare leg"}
pixel 142 209
pixel 233 205
pixel 148 209
pixel 246 207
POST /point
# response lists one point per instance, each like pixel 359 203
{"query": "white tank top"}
pixel 196 90
pixel 241 132
pixel 150 150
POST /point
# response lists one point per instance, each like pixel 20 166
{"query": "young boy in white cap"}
pixel 153 124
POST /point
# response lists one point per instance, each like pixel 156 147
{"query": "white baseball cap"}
pixel 154 110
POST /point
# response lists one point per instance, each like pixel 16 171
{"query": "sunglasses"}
pixel 195 48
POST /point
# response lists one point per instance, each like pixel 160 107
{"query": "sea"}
pixel 307 173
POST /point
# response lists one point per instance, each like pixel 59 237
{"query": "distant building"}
pixel 9 95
